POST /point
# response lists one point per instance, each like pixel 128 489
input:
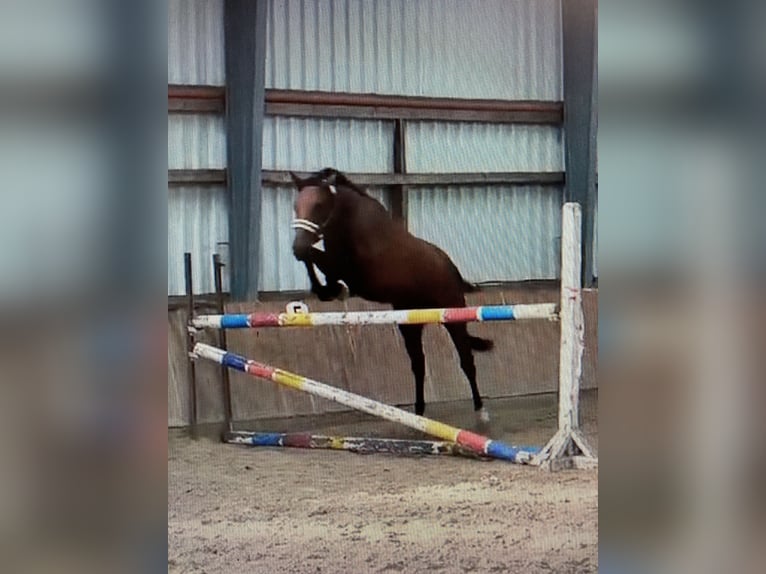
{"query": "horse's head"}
pixel 314 210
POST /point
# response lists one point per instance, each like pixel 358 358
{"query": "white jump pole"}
pixel 568 447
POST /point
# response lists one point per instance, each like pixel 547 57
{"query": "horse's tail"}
pixel 479 344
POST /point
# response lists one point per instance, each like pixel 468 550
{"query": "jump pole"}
pixel 569 447
pixel 361 445
pixel 384 317
pixel 472 441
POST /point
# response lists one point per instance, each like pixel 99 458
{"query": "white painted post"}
pixel 572 344
pixel 568 443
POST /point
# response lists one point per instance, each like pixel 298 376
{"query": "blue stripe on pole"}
pixel 265 439
pixel 234 322
pixel 497 313
pixel 234 361
pixel 508 452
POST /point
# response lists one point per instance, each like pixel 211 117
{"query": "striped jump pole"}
pixel 471 441
pixel 384 317
pixel 362 445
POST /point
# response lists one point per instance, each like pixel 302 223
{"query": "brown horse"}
pixel 351 238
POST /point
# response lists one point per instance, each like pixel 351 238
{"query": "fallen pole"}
pixel 362 445
pixel 472 441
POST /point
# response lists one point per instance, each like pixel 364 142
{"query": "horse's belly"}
pixel 373 287
pixel 385 288
pixel 405 279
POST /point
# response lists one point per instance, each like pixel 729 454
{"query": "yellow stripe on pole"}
pixel 337 442
pixel 444 432
pixel 425 316
pixel 288 379
pixel 295 320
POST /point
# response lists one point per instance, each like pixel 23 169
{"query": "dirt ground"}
pixel 234 509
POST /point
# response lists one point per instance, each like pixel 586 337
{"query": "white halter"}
pixel 306 225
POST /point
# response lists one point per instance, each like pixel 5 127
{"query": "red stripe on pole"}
pixel 260 370
pixel 263 319
pixel 472 440
pixel 461 315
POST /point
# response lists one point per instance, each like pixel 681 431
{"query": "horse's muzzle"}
pixel 302 245
pixel 301 253
pixel 306 234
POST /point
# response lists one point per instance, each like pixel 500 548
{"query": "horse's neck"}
pixel 373 227
pixel 365 229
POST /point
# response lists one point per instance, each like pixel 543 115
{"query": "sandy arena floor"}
pixel 240 510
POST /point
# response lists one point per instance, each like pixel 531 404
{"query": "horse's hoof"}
pixel 483 415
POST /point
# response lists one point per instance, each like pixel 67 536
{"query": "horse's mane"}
pixel 330 176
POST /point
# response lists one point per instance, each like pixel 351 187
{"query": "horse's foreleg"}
pixel 328 292
pixel 325 292
pixel 413 342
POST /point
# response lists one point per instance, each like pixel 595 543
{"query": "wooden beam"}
pixel 300 103
pixel 205 301
pixel 179 177
pixel 192 106
pixel 218 177
pixel 333 104
pixel 196 99
pixel 434 179
pixel 415 102
pixel 550 114
pixel 209 302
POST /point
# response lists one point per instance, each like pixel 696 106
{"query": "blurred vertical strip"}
pixel 137 266
pixel 82 260
pixel 138 74
pixel 681 278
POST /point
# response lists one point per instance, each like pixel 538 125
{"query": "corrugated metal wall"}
pixel 197 216
pixel 434 147
pixel 492 233
pixel 309 144
pixel 196 141
pixel 499 49
pixel 195 42
pixel 498 233
pixel 197 223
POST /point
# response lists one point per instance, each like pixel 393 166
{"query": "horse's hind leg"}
pixel 413 341
pixel 459 334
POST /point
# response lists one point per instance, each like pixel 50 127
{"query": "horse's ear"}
pixel 296 180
